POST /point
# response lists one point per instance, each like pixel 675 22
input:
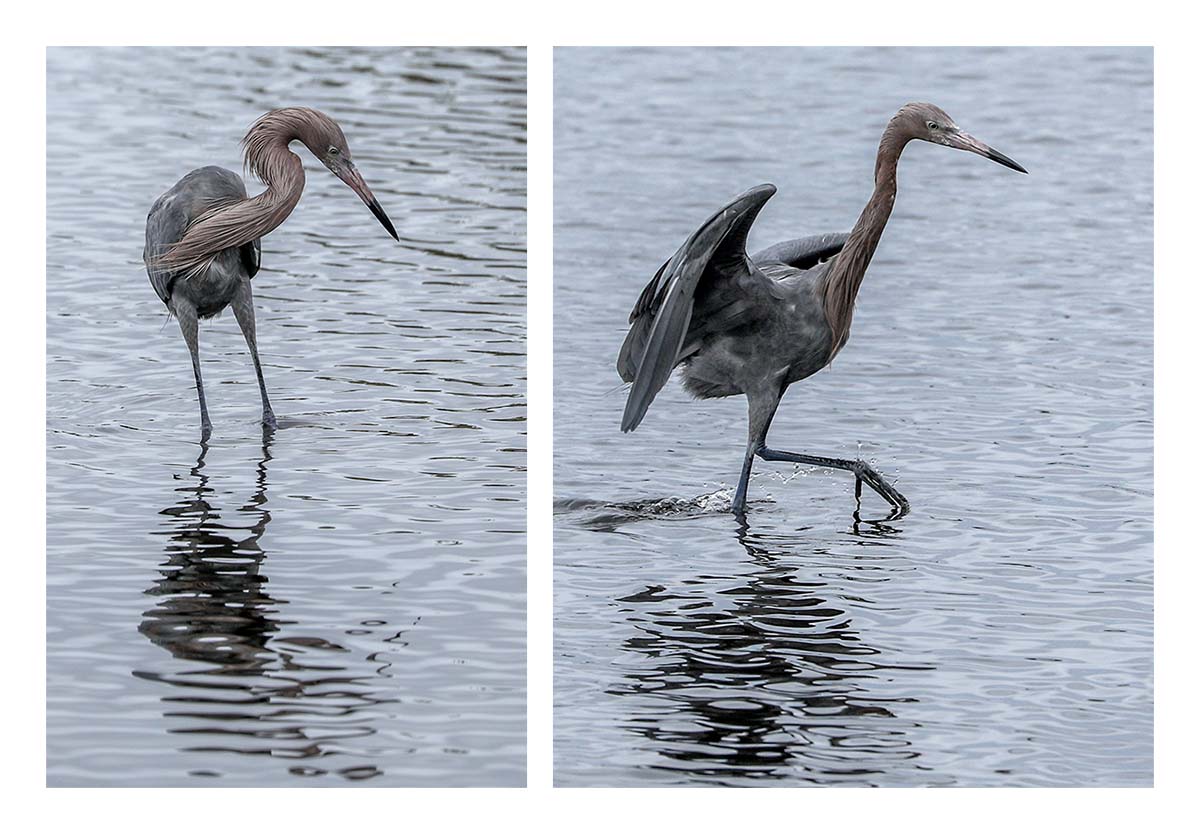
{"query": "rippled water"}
pixel 999 370
pixel 344 603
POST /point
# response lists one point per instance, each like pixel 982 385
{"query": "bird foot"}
pixel 864 473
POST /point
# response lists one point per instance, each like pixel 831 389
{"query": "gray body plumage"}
pixel 749 325
pixel 749 356
pixel 211 290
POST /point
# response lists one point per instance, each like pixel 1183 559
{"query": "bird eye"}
pixel 931 125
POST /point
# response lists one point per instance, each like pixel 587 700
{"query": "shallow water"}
pixel 999 371
pixel 344 603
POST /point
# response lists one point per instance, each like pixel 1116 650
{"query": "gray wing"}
pixel 708 285
pixel 803 252
pixel 172 213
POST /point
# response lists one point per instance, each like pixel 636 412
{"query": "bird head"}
pixel 930 123
pixel 327 142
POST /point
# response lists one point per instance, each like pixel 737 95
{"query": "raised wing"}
pixel 803 252
pixel 708 285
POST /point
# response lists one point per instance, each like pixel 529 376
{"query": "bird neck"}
pixel 283 174
pixel 235 224
pixel 841 281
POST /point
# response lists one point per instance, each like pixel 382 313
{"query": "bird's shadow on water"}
pixel 756 674
pixel 241 686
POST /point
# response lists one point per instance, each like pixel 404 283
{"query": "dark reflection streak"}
pixel 214 608
pixel 758 677
pixel 874 528
pixel 242 680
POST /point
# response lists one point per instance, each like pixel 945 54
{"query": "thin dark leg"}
pixel 186 314
pixel 739 497
pixel 762 405
pixel 243 310
pixel 862 474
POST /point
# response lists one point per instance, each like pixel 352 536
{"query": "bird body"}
pixel 738 324
pixel 210 291
pixel 203 236
pixel 788 342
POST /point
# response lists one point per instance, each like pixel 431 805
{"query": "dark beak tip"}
pixel 383 219
pixel 996 156
pixel 1016 166
pixel 352 178
pixel 391 230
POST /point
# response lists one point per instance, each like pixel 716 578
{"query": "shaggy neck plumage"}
pixel 840 285
pixel 231 225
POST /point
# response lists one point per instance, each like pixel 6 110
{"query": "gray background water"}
pixel 344 605
pixel 999 369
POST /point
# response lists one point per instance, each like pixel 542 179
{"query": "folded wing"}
pixel 175 211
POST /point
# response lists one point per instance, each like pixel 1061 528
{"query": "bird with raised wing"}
pixel 753 325
pixel 203 236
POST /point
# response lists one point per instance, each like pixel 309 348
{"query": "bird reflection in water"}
pixel 266 694
pixel 762 678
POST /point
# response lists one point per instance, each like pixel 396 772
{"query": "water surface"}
pixel 341 603
pixel 999 371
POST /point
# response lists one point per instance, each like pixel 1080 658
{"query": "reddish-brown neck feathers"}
pixel 267 157
pixel 840 285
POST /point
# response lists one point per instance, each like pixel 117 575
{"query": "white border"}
pixel 540 25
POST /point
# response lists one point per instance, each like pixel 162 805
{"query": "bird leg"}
pixel 863 473
pixel 762 405
pixel 243 310
pixel 189 325
pixel 739 497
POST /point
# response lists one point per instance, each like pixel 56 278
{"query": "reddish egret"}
pixel 754 325
pixel 202 236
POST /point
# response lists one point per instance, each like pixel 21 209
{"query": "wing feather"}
pixel 803 252
pixel 710 273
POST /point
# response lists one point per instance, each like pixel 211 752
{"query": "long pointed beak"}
pixel 349 175
pixel 967 142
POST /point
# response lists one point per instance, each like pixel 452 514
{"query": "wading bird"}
pixel 754 325
pixel 203 236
